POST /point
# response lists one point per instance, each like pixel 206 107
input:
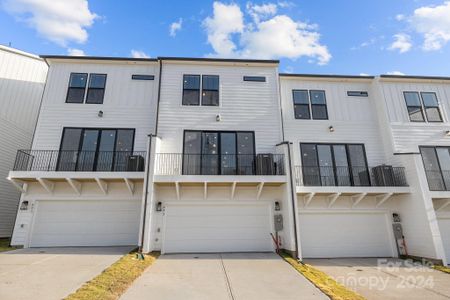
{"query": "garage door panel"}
pixel 217 228
pixel 444 228
pixel 344 235
pixel 86 223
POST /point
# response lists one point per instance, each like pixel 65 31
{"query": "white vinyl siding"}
pixel 217 228
pixel 339 234
pixel 86 223
pixel 444 227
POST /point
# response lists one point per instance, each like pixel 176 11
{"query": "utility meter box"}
pixel 278 222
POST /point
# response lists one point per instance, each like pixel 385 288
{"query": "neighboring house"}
pixel 226 155
pixel 22 80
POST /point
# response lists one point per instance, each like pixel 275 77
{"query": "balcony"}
pixel 50 166
pixel 213 168
pixel 357 182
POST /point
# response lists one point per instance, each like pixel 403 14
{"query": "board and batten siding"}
pixel 244 106
pixel 22 80
pixel 354 119
pixel 406 135
pixel 127 103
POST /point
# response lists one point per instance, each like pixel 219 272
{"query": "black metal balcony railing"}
pixel 80 161
pixel 438 180
pixel 350 176
pixel 215 164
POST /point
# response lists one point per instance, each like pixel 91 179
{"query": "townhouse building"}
pixel 22 80
pixel 228 155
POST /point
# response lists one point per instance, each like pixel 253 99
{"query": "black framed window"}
pixel 310 104
pixel 77 87
pixel 414 106
pixel 431 106
pixel 191 90
pixel 357 94
pixel 436 161
pixel 301 104
pixel 142 77
pixel 96 89
pixel 218 153
pixel 95 149
pixel 334 165
pixel 255 78
pixel 210 90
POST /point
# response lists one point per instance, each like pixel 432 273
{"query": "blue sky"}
pixel 315 36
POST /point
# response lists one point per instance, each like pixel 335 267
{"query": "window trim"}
pixel 425 107
pixel 84 88
pixel 89 88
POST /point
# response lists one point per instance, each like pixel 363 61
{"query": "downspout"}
pixel 147 177
pixel 293 198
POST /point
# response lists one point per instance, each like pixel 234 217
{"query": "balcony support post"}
pixel 130 185
pixel 383 199
pixel 177 190
pixel 22 188
pixel 308 198
pixel 47 185
pixel 233 190
pixel 102 185
pixel 358 198
pixel 259 190
pixel 75 184
pixel 446 203
pixel 332 199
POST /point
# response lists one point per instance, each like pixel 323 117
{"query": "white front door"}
pixel 85 223
pixel 344 234
pixel 217 228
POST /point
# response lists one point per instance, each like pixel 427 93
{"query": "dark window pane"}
pixel 96 89
pixel 246 153
pixel 210 153
pixel 191 97
pixel 327 175
pixel 68 154
pixel 210 82
pixel 360 171
pixel 310 165
pixel 77 85
pixel 86 158
pixel 412 99
pixel 433 114
pixel 210 98
pixel 432 169
pixel 125 139
pixel 105 156
pixel 71 139
pixel 318 97
pixel 300 97
pixel 429 100
pixel 301 111
pixel 142 77
pixel 75 95
pixel 357 94
pixel 255 78
pixel 191 82
pixel 192 153
pixel 319 112
pixel 228 153
pixel 415 113
pixel 78 80
pixel 341 165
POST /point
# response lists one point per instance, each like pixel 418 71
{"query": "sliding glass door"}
pixel 334 165
pixel 218 153
pixel 436 162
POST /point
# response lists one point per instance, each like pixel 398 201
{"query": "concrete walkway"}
pixel 52 273
pixel 386 278
pixel 222 276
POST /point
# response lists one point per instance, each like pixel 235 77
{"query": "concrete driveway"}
pixel 222 276
pixel 386 278
pixel 52 273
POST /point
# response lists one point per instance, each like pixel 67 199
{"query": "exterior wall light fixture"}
pixel 159 206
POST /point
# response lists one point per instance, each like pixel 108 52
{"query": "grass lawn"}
pixel 4 245
pixel 114 280
pixel 442 269
pixel 322 281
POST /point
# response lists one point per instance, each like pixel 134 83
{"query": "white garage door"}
pixel 217 228
pixel 325 235
pixel 86 223
pixel 444 227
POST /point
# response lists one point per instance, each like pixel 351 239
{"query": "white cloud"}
pixel 268 36
pixel 139 54
pixel 364 74
pixel 175 26
pixel 75 52
pixel 433 22
pixel 395 73
pixel 402 43
pixel 400 17
pixel 59 21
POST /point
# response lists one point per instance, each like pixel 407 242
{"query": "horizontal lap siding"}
pixel 127 103
pixel 250 106
pixel 354 118
pixel 408 135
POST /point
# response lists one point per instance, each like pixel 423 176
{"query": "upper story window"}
pixel 142 77
pixel 255 78
pixel 423 107
pixel 357 94
pixel 209 86
pixel 77 88
pixel 310 104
